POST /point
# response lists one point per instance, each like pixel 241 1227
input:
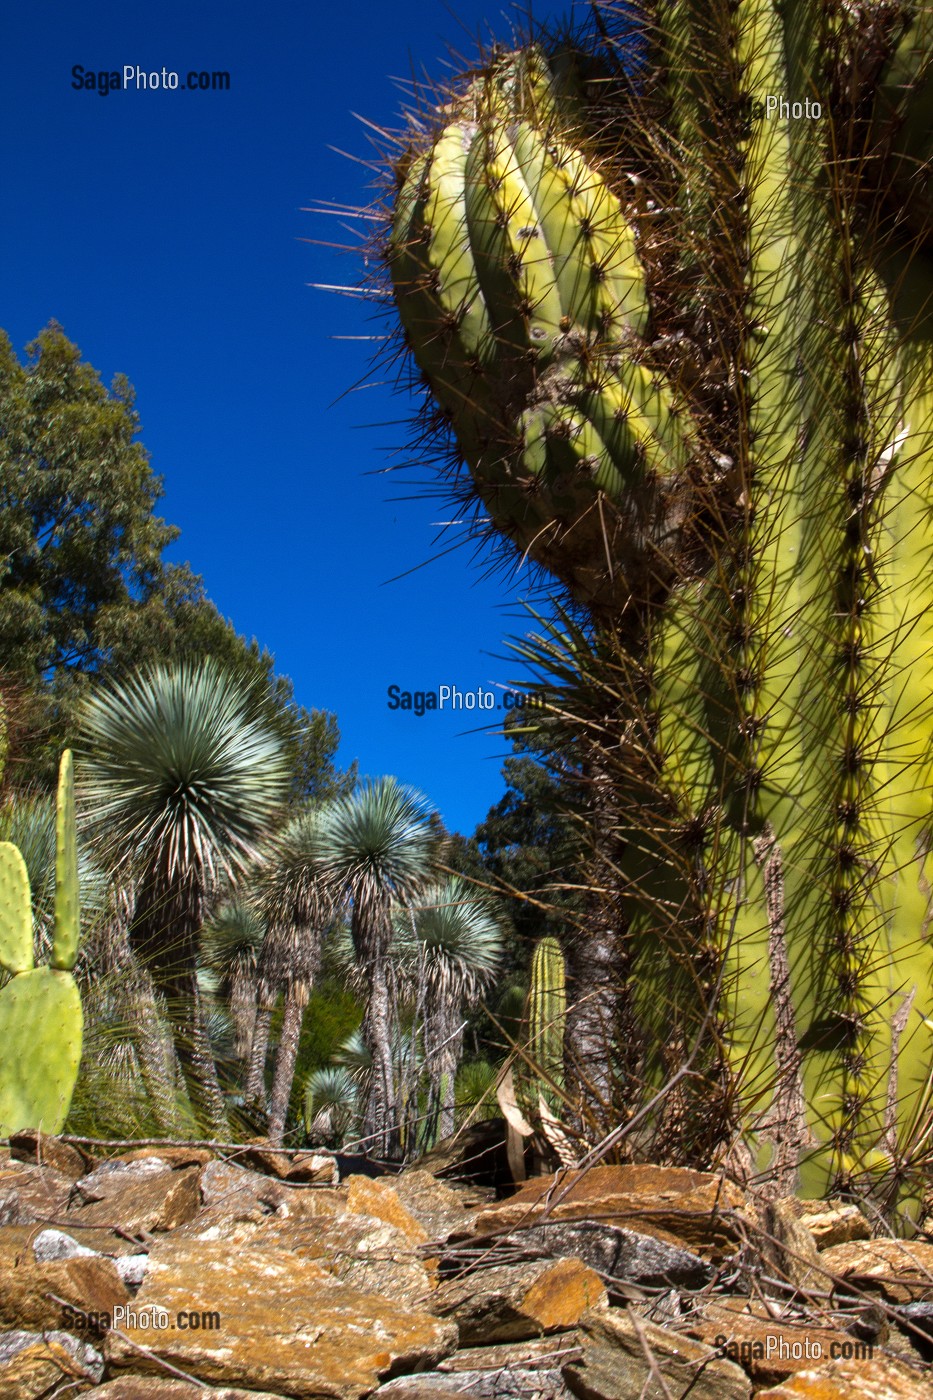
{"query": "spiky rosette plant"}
pixel 670 292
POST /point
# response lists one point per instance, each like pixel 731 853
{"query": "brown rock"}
pixel 243 1194
pixel 232 1194
pixel 881 1378
pixel 315 1168
pixel 617 1253
pixel 695 1209
pixel 370 1196
pixel 30 1195
pixel 541 1353
pixel 285 1324
pixel 43 1151
pixel 360 1250
pixel 436 1206
pixel 510 1302
pixel 832 1222
pixel 260 1157
pixel 155 1388
pixel 507 1384
pixel 303 1167
pixel 900 1270
pixel 787 1250
pixel 33 1364
pixel 174 1157
pixel 144 1195
pixel 90 1284
pixel 433 1386
pixel 366 1252
pixel 616 1365
pixel 768 1349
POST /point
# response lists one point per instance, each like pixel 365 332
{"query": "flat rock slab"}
pixel 233 1195
pixel 141 1195
pixel 544 1352
pixel 767 1349
pixel 509 1384
pixel 695 1210
pixel 368 1253
pixel 882 1378
pixel 155 1388
pixel 833 1222
pixel 510 1302
pixel 285 1324
pixel 31 1194
pixel 618 1253
pixel 370 1196
pixel 35 1364
pixel 89 1283
pixel 627 1358
pixel 900 1270
pixel 433 1204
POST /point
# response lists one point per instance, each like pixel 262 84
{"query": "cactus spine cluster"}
pixel 683 337
pixel 40 1007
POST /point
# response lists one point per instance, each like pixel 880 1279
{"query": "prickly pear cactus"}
pixel 40 1008
pixel 678 319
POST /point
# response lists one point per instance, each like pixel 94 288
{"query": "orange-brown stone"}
pixel 696 1209
pixel 881 1378
pixel 900 1270
pixel 285 1324
pixel 370 1196
pixel 89 1284
pixel 511 1302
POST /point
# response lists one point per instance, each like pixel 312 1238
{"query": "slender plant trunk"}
pixel 378 1126
pixel 193 1048
pixel 255 1092
pixel 593 1004
pixel 243 1012
pixel 449 1055
pixel 154 1052
pixel 285 1060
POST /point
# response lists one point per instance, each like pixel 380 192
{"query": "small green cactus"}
pixel 547 1013
pixel 40 1007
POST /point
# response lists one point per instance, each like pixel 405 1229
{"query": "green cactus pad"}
pixel 40 1031
pixel 15 911
pixel 67 918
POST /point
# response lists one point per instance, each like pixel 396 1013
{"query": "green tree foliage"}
pixel 84 589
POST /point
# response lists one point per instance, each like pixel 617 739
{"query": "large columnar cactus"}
pixel 40 1007
pixel 673 296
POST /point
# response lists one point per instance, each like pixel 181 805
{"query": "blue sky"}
pixel 163 231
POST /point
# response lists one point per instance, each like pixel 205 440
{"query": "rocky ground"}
pixel 168 1273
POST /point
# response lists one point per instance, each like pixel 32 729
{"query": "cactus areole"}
pixel 681 338
pixel 40 1008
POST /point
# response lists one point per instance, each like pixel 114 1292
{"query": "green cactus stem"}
pixel 518 284
pixel 40 1008
pixel 686 352
pixel 547 1013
